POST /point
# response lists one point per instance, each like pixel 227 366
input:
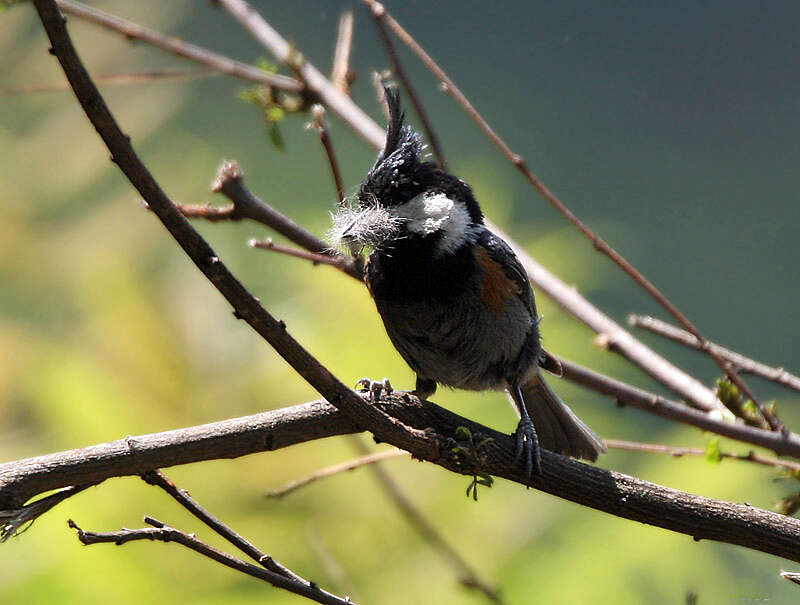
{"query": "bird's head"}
pixel 403 197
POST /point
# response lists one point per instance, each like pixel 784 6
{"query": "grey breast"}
pixel 459 342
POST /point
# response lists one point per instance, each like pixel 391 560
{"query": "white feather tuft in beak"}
pixel 355 227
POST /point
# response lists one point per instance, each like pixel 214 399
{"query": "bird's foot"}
pixel 528 448
pixel 375 388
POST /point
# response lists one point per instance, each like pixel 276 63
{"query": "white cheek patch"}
pixel 427 214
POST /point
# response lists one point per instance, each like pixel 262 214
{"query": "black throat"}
pixel 408 270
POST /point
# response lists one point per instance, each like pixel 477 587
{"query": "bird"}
pixel 455 300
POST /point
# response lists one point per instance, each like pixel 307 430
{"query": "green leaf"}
pixel 727 392
pixel 713 454
pixel 267 65
pixel 275 136
pixel 464 432
pixel 274 113
pixel 250 95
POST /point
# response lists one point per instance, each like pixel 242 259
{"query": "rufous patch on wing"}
pixel 496 287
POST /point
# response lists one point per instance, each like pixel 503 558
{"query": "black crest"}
pixel 399 173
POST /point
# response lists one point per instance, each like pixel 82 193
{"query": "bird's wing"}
pixel 501 253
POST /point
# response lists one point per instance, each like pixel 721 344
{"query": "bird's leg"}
pixel 527 441
pixel 425 387
pixel 375 388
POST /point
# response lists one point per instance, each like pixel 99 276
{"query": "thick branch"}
pixel 608 491
pixel 24 479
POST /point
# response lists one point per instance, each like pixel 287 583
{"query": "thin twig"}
pixel 677 452
pixel 318 111
pixel 209 212
pixel 316 259
pixel 334 469
pixel 777 441
pixel 230 183
pixel 400 72
pixel 131 79
pixel 341 75
pixel 178 47
pixel 743 364
pixel 379 80
pixel 517 160
pixel 183 498
pixel 164 533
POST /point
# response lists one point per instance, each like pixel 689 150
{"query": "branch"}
pixel 742 363
pixel 341 76
pixel 318 111
pixel 338 262
pixel 182 497
pixel 616 444
pixel 164 533
pixel 210 213
pixel 178 47
pixel 24 479
pixel 615 493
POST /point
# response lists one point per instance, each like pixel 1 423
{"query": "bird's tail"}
pixel 557 427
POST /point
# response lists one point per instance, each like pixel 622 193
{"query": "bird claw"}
pixel 528 446
pixel 375 388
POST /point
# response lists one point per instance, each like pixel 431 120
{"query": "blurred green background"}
pixel 671 128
